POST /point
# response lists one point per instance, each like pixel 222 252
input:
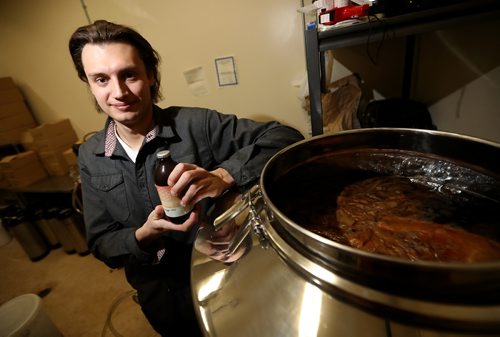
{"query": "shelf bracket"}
pixel 314 81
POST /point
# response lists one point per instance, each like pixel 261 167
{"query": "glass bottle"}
pixel 174 211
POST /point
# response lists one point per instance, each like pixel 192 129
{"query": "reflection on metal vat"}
pixel 257 273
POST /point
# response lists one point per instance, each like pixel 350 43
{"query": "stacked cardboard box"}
pixel 70 157
pixel 51 141
pixel 22 169
pixel 15 117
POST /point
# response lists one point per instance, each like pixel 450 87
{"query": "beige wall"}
pixel 265 37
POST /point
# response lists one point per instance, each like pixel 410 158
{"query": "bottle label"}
pixel 171 205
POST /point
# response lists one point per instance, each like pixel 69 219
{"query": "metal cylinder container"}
pixel 60 230
pixel 28 237
pixel 257 272
pixel 67 216
pixel 44 228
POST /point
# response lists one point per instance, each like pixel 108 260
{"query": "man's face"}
pixel 119 82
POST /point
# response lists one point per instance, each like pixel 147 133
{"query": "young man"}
pixel 124 220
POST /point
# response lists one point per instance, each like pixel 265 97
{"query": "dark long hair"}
pixel 101 32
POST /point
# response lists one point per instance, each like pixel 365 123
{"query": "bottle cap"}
pixel 163 154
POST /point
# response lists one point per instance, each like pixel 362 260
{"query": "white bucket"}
pixel 24 316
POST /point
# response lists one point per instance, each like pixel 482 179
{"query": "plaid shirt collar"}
pixel 111 139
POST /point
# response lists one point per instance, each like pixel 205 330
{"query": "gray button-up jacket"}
pixel 119 194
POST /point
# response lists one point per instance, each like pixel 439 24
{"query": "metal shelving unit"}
pixel 407 26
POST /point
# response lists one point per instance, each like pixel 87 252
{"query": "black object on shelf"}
pixel 396 113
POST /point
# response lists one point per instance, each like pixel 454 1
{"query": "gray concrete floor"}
pixel 82 292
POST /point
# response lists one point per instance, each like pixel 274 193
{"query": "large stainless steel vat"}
pixel 273 277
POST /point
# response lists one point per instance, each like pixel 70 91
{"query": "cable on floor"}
pixel 109 324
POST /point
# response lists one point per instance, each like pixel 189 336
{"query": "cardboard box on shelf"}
pixel 10 96
pixel 54 162
pixel 53 129
pixel 55 136
pixel 22 169
pixel 51 141
pixel 13 136
pixel 70 157
pixel 6 83
pixel 21 121
pixel 15 116
pixel 27 141
pixel 22 178
pixel 19 160
pixel 15 108
pixel 25 176
pixel 50 144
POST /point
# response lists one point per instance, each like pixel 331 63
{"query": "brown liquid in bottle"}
pixel 174 211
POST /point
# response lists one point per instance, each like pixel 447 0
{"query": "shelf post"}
pixel 314 81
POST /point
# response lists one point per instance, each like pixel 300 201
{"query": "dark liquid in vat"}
pixel 390 215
